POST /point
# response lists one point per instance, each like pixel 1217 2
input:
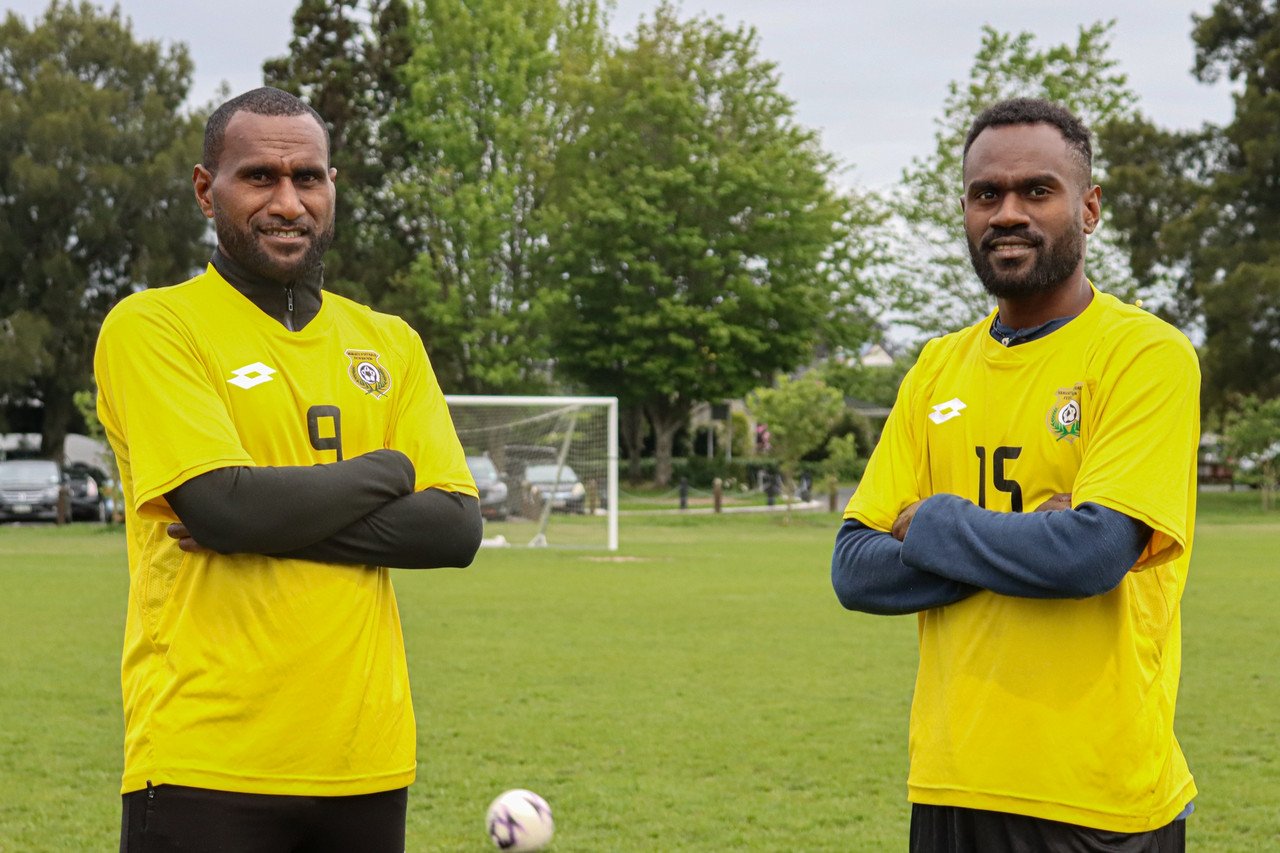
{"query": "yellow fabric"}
pixel 250 673
pixel 1056 709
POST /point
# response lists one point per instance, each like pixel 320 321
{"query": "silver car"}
pixel 492 488
pixel 29 489
pixel 557 484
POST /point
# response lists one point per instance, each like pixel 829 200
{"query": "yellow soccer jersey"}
pixel 1059 709
pixel 244 672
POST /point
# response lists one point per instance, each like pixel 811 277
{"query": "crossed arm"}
pixel 943 549
pixel 362 511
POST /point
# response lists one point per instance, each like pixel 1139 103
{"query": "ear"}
pixel 1092 209
pixel 202 180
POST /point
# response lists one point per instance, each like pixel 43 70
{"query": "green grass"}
pixel 700 690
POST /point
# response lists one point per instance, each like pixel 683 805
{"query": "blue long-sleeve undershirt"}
pixel 868 575
pixel 954 548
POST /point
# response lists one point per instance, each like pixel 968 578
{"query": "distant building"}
pixel 875 355
pixel 1212 466
pixel 79 449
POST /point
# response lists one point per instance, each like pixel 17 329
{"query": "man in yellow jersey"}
pixel 1032 499
pixel 279 448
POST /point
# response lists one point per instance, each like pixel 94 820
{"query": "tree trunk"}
pixel 631 433
pixel 58 410
pixel 667 420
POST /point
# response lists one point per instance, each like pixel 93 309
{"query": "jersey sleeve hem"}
pixel 860 516
pixel 1167 542
pixel 459 488
pixel 150 503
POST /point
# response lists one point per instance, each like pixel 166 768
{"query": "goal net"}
pixel 546 467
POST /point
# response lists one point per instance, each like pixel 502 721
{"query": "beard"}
pixel 241 245
pixel 1054 262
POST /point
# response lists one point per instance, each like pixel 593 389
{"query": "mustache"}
pixel 301 223
pixel 1022 233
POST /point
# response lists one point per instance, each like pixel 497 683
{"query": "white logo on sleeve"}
pixel 251 375
pixel 944 412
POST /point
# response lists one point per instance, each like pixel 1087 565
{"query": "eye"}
pixel 1038 192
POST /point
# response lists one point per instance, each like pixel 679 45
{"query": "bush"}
pixel 702 471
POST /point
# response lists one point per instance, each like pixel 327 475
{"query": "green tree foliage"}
pixel 1201 210
pixel 697 242
pixel 1253 440
pixel 484 114
pixel 344 59
pixel 95 198
pixel 936 288
pixel 845 461
pixel 1154 192
pixel 875 384
pixel 800 414
pixel 25 340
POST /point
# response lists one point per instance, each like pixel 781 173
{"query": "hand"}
pixel 903 521
pixel 1057 502
pixel 185 542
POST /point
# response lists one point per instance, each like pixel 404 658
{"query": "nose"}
pixel 1010 213
pixel 285 201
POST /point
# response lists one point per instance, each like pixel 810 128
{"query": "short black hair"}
pixel 1037 111
pixel 266 101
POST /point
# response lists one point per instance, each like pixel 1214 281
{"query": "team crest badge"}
pixel 368 374
pixel 1064 417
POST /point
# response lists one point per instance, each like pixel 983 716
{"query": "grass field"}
pixel 699 690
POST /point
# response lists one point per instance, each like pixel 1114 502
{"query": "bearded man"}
pixel 280 449
pixel 1032 499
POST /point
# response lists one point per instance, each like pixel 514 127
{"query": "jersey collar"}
pixel 273 297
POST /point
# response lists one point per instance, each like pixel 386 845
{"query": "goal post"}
pixel 546 467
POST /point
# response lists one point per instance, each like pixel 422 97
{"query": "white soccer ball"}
pixel 520 820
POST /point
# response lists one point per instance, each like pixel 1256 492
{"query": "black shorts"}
pixel 199 820
pixel 946 829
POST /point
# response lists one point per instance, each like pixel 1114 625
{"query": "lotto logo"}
pixel 944 412
pixel 251 374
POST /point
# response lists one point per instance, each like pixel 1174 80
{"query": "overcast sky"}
pixel 870 75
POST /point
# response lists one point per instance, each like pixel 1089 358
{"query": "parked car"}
pixel 90 489
pixel 29 489
pixel 493 491
pixel 514 459
pixel 517 457
pixel 557 484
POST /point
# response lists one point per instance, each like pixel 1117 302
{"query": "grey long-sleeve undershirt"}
pixel 430 529
pixel 361 511
pixel 954 548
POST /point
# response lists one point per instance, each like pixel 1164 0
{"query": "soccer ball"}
pixel 520 820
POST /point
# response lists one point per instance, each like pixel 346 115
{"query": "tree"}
pixel 344 60
pixel 698 245
pixel 845 461
pixel 95 198
pixel 1202 209
pixel 1155 183
pixel 938 292
pixel 800 414
pixel 484 114
pixel 1253 440
pixel 873 384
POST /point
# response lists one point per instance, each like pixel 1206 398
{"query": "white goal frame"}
pixel 611 450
